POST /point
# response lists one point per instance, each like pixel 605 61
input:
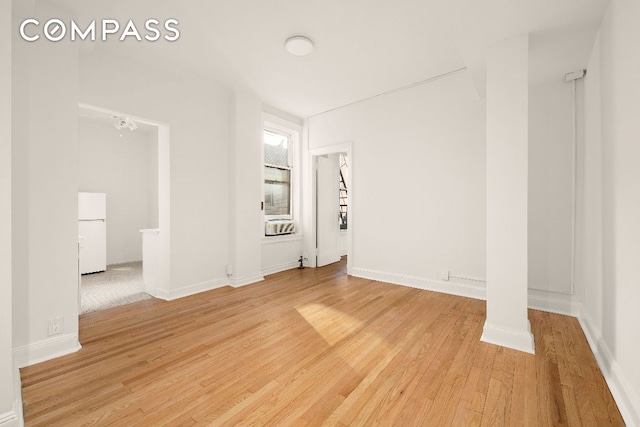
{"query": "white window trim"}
pixel 294 131
pixel 290 152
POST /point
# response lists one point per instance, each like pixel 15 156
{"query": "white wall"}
pixel 123 168
pixel 52 81
pixel 418 181
pixel 280 253
pixel 8 403
pixel 245 188
pixel 609 271
pixel 589 279
pixel 197 112
pixel 44 193
pixel 153 208
pixel 550 194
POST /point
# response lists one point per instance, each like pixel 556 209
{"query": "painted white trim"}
pixel 280 267
pixel 270 240
pixel 537 300
pixel 47 349
pixel 510 338
pixel 553 303
pixel 537 287
pixel 446 287
pixel 628 402
pixel 186 291
pixel 243 281
pixel 10 418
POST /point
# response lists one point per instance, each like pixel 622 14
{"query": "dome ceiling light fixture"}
pixel 299 45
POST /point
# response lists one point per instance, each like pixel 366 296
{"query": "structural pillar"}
pixel 507 322
pixel 246 226
pixel 10 408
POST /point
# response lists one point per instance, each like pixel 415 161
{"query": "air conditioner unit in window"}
pixel 276 227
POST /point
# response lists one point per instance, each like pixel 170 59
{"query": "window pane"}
pixel 277 196
pixel 276 149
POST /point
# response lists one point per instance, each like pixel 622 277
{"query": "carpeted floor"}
pixel 120 284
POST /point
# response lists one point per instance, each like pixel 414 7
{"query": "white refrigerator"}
pixel 92 232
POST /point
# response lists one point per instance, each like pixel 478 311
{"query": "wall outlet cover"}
pixel 56 325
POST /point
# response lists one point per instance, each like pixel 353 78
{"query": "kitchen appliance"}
pixel 92 232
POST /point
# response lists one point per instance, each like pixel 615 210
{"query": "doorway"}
pixel 333 203
pixel 125 161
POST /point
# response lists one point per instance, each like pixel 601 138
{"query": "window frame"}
pixel 291 131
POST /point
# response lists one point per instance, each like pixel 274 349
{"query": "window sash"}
pixel 279 192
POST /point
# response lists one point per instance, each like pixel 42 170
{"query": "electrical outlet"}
pixel 445 275
pixel 56 325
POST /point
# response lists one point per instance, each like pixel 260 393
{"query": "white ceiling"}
pixel 363 47
pixel 561 33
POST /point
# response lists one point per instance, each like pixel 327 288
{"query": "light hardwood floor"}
pixel 315 347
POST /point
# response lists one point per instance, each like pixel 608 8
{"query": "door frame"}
pixel 344 147
pixel 164 193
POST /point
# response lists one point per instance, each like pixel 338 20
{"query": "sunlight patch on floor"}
pixel 331 324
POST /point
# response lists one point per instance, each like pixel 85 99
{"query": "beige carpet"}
pixel 120 284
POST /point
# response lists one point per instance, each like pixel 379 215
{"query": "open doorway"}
pixel 122 191
pixel 332 204
pixel 343 214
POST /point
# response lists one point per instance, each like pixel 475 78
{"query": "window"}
pixel 277 174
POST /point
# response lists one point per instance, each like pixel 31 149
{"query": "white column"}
pixel 507 323
pixel 151 262
pixel 246 227
pixel 9 405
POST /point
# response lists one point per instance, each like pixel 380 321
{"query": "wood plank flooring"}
pixel 316 347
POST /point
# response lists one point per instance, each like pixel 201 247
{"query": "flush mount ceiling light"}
pixel 299 45
pixel 124 123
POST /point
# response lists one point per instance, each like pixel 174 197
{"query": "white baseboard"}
pixel 280 267
pixel 538 300
pixel 511 338
pixel 10 419
pixel 553 303
pixel 247 280
pixel 628 402
pixel 47 349
pixel 185 291
pixel 447 287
